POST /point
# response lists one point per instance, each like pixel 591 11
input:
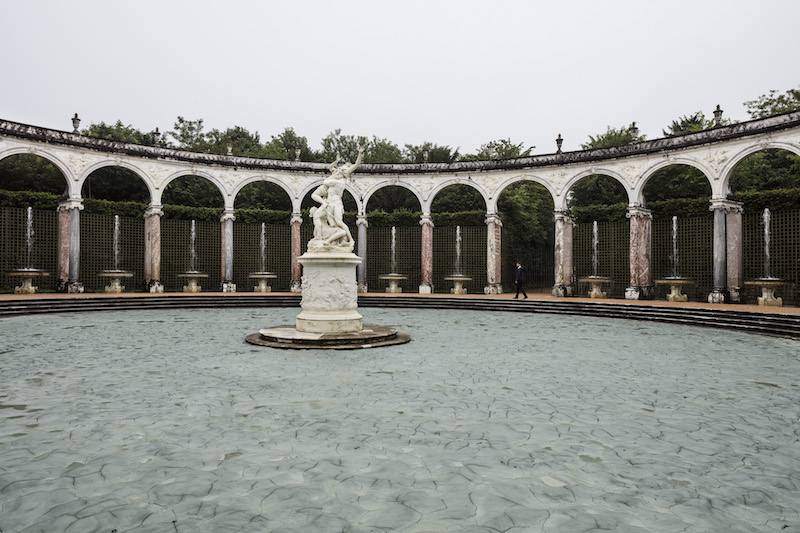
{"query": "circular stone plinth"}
pixel 289 337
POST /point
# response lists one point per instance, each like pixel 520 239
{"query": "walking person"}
pixel 519 280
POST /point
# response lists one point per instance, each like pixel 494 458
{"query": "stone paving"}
pixel 166 421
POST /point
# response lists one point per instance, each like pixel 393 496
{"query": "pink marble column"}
pixel 733 234
pixel 297 273
pixel 426 287
pixel 494 251
pixel 152 248
pixel 641 284
pixel 63 246
pixel 226 263
pixel 563 254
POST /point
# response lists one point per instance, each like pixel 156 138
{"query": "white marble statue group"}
pixel 331 234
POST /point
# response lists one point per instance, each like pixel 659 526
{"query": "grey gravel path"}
pixel 166 421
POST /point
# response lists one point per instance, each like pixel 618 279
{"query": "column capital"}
pixel 729 206
pixel 638 211
pixel 153 210
pixel 71 203
pixel 494 218
pixel 227 214
pixel 361 220
pixel 297 217
pixel 562 215
pixel 425 219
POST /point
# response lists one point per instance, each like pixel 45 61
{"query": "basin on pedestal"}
pixel 192 276
pixel 115 285
pixel 596 283
pixel 768 286
pixel 675 286
pixel 458 283
pixel 394 282
pixel 27 275
pixel 263 280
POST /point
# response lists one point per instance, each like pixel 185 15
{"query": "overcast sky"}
pixel 458 73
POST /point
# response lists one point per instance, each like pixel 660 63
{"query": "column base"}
pixel 735 294
pixel 228 286
pixel 561 291
pixel 493 288
pixel 155 286
pixel 426 288
pixel 61 284
pixel 718 296
pixel 74 287
pixel 639 293
pixel 362 286
pixel 297 286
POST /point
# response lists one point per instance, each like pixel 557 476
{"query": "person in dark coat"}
pixel 519 280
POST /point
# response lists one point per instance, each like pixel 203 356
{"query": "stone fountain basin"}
pixel 457 277
pixel 29 273
pixel 394 276
pixel 595 279
pixel 115 274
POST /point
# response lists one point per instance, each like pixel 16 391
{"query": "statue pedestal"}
pixel 329 295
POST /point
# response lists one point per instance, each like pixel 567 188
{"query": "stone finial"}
pixel 559 142
pixel 230 148
pixel 157 137
pixel 76 123
pixel 717 117
pixel 634 132
pixel 491 150
pixel 297 154
pixel 425 156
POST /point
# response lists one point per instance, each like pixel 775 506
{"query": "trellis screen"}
pixel 473 257
pixel 14 248
pixel 408 255
pixel 613 257
pixel 784 252
pixel 694 238
pixel 176 253
pixel 247 254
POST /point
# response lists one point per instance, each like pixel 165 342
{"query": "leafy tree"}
pixel 436 153
pixel 688 124
pixel 120 132
pixel 263 195
pixel 774 103
pixel 28 172
pixel 192 191
pixel 676 181
pixel 526 210
pixel 769 169
pixel 597 189
pixel 243 143
pixel 455 198
pixel 499 149
pixel 612 137
pixel 382 151
pixel 393 198
pixel 188 134
pixel 284 145
pixel 345 146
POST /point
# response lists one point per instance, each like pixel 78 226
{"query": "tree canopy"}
pixel 774 103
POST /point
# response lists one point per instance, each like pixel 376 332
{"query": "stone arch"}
pixel 193 172
pixel 391 183
pixel 426 205
pixel 561 202
pixel 492 207
pixel 638 191
pixel 87 172
pixel 70 184
pixel 286 188
pixel 733 162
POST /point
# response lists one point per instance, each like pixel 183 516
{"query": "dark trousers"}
pixel 520 288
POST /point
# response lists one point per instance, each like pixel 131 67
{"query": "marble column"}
pixel 641 283
pixel 226 263
pixel 63 246
pixel 361 268
pixel 720 208
pixel 493 254
pixel 297 273
pixel 563 254
pixel 152 248
pixel 733 236
pixel 426 287
pixel 71 210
